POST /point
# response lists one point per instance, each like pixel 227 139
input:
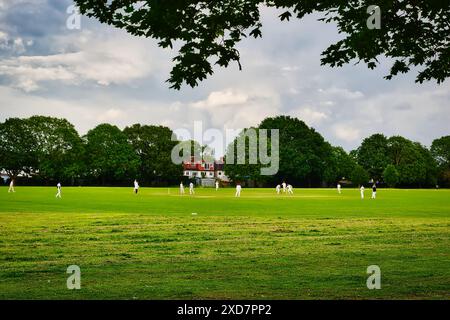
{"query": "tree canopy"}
pixel 17 148
pixel 47 149
pixel 413 34
pixel 359 175
pixel 58 148
pixel 440 149
pixel 373 155
pixel 153 146
pixel 304 155
pixel 340 166
pixel 413 162
pixel 391 176
pixel 110 157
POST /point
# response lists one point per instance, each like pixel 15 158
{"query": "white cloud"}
pixel 110 115
pixel 346 133
pixel 290 68
pixel 227 97
pixel 342 93
pixel 239 108
pixel 105 62
pixel 5 4
pixel 328 103
pixel 13 45
pixel 309 115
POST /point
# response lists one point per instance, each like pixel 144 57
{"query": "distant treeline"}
pixel 306 159
pixel 48 149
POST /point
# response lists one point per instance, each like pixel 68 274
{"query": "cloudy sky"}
pixel 99 74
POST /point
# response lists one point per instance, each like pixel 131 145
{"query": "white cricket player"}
pixel 181 188
pixel 136 187
pixel 284 187
pixel 289 189
pixel 278 188
pixel 217 185
pixel 362 191
pixel 339 188
pixel 374 191
pixel 58 187
pixel 238 190
pixel 11 186
pixel 191 188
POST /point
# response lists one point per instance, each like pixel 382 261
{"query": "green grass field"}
pixel 313 245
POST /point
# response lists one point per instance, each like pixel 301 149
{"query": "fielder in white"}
pixel 191 188
pixel 11 186
pixel 339 188
pixel 181 188
pixel 136 187
pixel 238 190
pixel 58 186
pixel 217 185
pixel 362 192
pixel 284 187
pixel 278 188
pixel 289 189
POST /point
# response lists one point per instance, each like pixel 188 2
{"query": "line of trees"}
pixel 306 159
pixel 48 149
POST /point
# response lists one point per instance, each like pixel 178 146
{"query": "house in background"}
pixel 205 172
pixel 219 171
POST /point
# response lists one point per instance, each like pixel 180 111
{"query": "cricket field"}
pixel 315 244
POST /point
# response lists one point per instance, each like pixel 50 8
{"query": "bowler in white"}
pixel 238 190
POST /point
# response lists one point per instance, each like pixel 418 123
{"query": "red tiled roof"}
pixel 196 167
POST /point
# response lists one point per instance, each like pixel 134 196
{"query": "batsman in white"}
pixel 58 187
pixel 339 188
pixel 11 186
pixel 362 191
pixel 374 191
pixel 238 190
pixel 278 188
pixel 191 188
pixel 136 187
pixel 181 188
pixel 217 185
pixel 284 187
pixel 289 189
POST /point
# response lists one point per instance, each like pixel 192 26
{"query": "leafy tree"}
pixel 412 34
pixel 440 149
pixel 197 152
pixel 359 175
pixel 303 154
pixel 341 165
pixel 17 147
pixel 413 162
pixel 431 168
pixel 246 171
pixel 391 176
pixel 59 148
pixel 372 155
pixel 110 158
pixel 153 146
